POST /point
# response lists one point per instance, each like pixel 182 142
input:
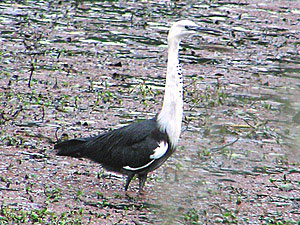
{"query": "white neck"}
pixel 170 117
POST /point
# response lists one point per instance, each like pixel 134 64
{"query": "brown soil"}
pixel 71 69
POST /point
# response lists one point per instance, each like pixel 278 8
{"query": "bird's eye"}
pixel 186 27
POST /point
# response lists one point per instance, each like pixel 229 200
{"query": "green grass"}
pixel 10 215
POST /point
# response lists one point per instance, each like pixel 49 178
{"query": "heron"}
pixel 141 147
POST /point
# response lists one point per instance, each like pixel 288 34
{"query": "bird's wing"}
pixel 132 146
pixel 142 161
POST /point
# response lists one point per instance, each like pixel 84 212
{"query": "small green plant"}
pixel 191 217
pixel 100 195
pixel 9 215
pixel 117 195
pixel 144 90
pixel 212 96
pixel 229 218
pixel 79 193
pixel 52 194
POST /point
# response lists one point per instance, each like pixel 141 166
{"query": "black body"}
pixel 130 146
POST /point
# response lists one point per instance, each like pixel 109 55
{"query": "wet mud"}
pixel 77 68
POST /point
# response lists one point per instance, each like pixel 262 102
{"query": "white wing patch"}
pixel 138 168
pixel 160 150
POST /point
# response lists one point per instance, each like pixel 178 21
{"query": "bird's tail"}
pixel 74 147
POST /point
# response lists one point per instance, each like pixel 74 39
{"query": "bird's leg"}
pixel 142 180
pixel 129 178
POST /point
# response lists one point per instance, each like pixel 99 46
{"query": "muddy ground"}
pixel 77 68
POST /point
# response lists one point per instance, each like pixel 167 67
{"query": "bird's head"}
pixel 184 28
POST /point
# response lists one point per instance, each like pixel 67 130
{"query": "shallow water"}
pixel 241 87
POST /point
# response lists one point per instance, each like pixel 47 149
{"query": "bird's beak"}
pixel 208 30
pixel 203 30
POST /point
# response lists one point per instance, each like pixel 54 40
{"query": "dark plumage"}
pixel 129 146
